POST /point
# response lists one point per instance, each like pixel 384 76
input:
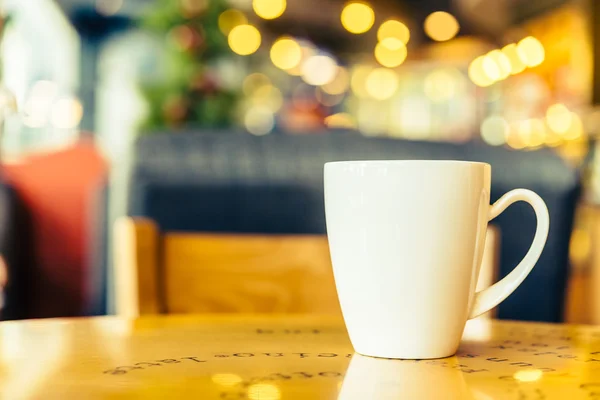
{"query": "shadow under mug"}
pixel 406 241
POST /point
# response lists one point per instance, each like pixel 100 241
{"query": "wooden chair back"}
pixel 198 272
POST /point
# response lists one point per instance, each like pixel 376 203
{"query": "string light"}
pixel 286 53
pixel 390 52
pixel 477 73
pixel 357 17
pixel 441 26
pixel 516 64
pixel 244 39
pixel 381 83
pixel 502 62
pixel 229 19
pixel 393 29
pixel 269 9
pixel 531 51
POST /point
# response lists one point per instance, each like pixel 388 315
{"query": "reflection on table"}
pixel 285 357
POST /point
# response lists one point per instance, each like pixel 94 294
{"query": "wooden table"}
pixel 270 358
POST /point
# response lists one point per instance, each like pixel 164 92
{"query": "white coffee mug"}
pixel 406 241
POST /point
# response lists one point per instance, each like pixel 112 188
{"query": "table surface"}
pixel 285 357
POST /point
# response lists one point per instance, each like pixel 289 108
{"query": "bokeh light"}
pixel 441 26
pixel 109 7
pixel 254 82
pixel 244 39
pixel 67 113
pixel 358 81
pixel 381 83
pixel 226 379
pixel 319 70
pixel 286 53
pixel 516 64
pixel 528 375
pixel 441 85
pixel 531 51
pixel 502 62
pixel 494 130
pixel 263 391
pixel 340 82
pixel 326 99
pixel 357 17
pixel 393 29
pixel 477 74
pixel 340 121
pixel 532 132
pixel 259 120
pixel 559 118
pixel 390 52
pixel 490 68
pixel 192 8
pixel 269 9
pixel 229 19
pixel 576 129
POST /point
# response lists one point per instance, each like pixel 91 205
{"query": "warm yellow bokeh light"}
pixel 259 120
pixel 319 70
pixel 531 51
pixel 477 73
pixel 358 82
pixel 263 391
pixel 532 132
pixel 381 83
pixel 390 52
pixel 253 82
pixel 269 9
pixel 286 53
pixel 576 129
pixel 490 68
pixel 339 84
pixel 528 375
pixel 516 64
pixel 357 17
pixel 395 30
pixel 244 39
pixel 440 85
pixel 559 118
pixel 229 19
pixel 340 121
pixel 502 62
pixel 441 26
pixel 494 130
pixel 226 379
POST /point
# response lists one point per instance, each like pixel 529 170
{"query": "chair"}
pixel 194 272
pixel 237 184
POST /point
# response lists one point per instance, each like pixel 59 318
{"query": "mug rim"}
pixel 374 162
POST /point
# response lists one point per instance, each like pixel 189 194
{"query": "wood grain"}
pixel 137 282
pixel 237 273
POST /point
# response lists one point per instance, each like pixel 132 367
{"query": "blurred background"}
pixel 163 109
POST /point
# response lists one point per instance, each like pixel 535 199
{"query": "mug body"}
pixel 406 241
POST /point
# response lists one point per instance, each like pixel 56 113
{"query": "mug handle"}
pixel 489 298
